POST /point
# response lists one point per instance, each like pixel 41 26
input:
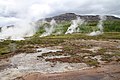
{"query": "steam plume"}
pixel 49 29
pixel 100 26
pixel 19 31
pixel 75 26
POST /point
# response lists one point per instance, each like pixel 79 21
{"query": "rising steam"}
pixel 100 26
pixel 21 14
pixel 49 29
pixel 74 26
pixel 18 31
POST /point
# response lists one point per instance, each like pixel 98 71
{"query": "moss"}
pixel 71 48
pixel 91 62
pixel 68 48
pixel 109 26
pixel 115 54
pixel 75 59
pixel 99 52
pixel 106 35
pixel 4 51
pixel 106 57
pixel 53 54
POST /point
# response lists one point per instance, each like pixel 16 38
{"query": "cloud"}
pixel 36 9
pixel 8 20
pixel 25 11
pixel 43 8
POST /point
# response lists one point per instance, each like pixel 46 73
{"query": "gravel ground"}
pixel 106 72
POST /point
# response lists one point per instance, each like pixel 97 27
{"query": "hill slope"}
pixel 72 16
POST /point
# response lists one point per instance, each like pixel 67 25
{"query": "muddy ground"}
pixel 101 57
pixel 106 72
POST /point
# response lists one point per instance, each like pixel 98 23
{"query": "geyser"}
pixel 22 14
pixel 18 31
pixel 100 26
pixel 74 26
pixel 49 29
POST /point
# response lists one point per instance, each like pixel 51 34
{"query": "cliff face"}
pixel 72 16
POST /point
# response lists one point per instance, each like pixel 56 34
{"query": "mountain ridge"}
pixel 72 16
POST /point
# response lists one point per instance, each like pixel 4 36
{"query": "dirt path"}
pixel 106 72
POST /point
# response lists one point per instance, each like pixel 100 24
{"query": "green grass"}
pixel 91 62
pixel 60 27
pixel 111 28
pixel 106 35
pixel 56 40
pixel 87 27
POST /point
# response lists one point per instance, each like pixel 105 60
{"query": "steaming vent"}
pixel 75 26
pixel 100 26
pixel 18 31
pixel 49 29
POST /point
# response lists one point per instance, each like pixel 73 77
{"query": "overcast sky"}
pixel 15 10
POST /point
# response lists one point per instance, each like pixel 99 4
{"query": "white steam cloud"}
pixel 75 26
pixel 100 26
pixel 18 32
pixel 22 16
pixel 22 13
pixel 49 29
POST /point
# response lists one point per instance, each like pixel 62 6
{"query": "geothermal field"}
pixel 59 49
pixel 59 40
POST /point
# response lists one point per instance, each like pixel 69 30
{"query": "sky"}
pixel 12 11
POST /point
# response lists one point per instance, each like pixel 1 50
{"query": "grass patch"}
pixel 9 46
pixel 75 59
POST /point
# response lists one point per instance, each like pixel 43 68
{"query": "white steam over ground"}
pixel 75 26
pixel 18 32
pixel 22 13
pixel 100 26
pixel 49 29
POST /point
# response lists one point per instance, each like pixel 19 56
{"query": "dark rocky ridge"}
pixel 9 26
pixel 72 16
pixel 0 29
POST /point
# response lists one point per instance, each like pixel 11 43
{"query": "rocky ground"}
pixel 105 72
pixel 77 59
